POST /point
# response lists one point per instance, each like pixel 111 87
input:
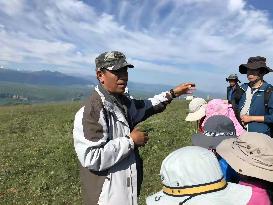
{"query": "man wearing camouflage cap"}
pixel 256 101
pixel 106 137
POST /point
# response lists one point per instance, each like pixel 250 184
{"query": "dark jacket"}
pixel 235 96
pixel 257 108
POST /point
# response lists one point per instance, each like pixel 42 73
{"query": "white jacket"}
pixel 103 146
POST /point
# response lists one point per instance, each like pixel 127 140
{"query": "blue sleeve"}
pixel 268 118
pixel 223 165
pixel 229 174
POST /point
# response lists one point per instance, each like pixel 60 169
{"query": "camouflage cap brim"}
pixel 120 65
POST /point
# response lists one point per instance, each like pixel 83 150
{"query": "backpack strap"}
pixel 237 97
pixel 239 93
pixel 267 95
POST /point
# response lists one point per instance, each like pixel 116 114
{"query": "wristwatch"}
pixel 172 93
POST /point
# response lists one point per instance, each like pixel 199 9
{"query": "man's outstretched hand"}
pixel 185 88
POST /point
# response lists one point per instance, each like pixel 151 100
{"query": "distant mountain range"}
pixel 41 78
pixel 49 78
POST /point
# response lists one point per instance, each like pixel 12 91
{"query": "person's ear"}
pixel 100 76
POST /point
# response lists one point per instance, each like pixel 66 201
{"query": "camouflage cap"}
pixel 113 60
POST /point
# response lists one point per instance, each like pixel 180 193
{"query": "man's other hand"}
pixel 140 138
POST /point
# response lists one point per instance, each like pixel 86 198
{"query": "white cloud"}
pixel 12 7
pixel 167 35
pixel 236 5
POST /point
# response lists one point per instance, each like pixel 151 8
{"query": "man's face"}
pixel 232 82
pixel 114 81
pixel 253 75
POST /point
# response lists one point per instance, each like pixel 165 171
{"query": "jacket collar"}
pixel 261 89
pixel 116 106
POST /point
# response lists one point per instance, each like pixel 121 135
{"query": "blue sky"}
pixel 168 41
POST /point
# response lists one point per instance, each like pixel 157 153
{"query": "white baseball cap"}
pixel 192 175
pixel 197 109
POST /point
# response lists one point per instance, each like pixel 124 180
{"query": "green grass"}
pixel 38 164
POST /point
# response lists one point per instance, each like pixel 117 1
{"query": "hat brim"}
pixel 208 142
pixel 239 194
pixel 122 65
pixel 238 161
pixel 197 115
pixel 244 67
pixel 233 79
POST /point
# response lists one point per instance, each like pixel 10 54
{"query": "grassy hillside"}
pixel 38 164
pixel 38 94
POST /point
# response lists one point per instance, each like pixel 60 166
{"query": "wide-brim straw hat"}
pixel 251 154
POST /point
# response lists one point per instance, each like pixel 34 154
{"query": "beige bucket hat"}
pixel 251 154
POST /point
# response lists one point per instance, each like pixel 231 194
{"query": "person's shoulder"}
pixel 268 85
pixel 94 97
pixel 243 86
pixel 268 91
pixel 94 100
